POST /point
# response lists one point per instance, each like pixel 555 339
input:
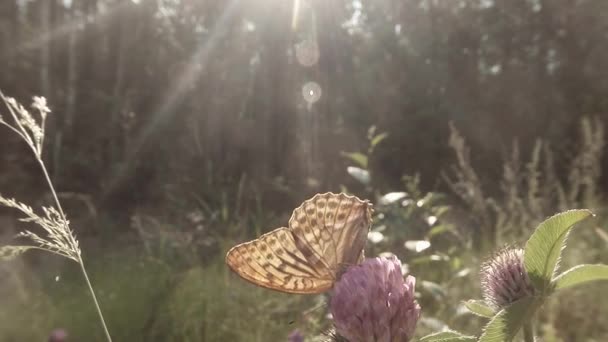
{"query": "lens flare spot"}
pixel 311 92
pixel 307 52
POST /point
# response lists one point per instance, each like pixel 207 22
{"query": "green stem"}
pixel 74 245
pixel 528 332
pixel 71 240
pixel 103 322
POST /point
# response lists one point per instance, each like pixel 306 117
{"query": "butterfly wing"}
pixel 326 234
pixel 333 228
pixel 278 261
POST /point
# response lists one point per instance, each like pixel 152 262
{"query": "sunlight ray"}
pixel 177 89
pixel 64 29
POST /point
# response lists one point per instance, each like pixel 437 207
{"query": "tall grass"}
pixel 58 238
pixel 530 188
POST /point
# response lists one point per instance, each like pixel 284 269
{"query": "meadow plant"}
pixel 504 279
pixel 58 238
pixel 515 282
pixel 531 189
pixel 518 282
pixel 373 302
pixel 418 227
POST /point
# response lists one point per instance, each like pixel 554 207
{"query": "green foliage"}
pixel 218 96
pixel 507 322
pixel 210 304
pixel 544 247
pixel 54 296
pixel 530 190
pixel 359 158
pixel 129 285
pixel 541 256
pixel 414 225
pixel 147 299
pixel 579 275
pixel 27 312
pixel 447 336
pixel 479 308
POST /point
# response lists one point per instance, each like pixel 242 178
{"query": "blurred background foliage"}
pixel 181 127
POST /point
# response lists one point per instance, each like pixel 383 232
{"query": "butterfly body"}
pixel 325 234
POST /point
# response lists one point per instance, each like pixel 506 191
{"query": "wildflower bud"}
pixel 295 336
pixel 58 335
pixel 504 279
pixel 373 303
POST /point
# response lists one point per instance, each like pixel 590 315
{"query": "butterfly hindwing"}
pixel 274 261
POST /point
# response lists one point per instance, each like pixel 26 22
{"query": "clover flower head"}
pixel 504 279
pixel 372 302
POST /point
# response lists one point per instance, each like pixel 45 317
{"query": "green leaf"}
pixel 436 290
pixel 507 322
pixel 11 252
pixel 357 157
pixel 359 174
pixel 544 247
pixel 440 229
pixel 377 139
pixel 447 336
pixel 581 274
pixel 479 308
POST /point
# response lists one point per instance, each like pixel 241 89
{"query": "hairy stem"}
pixel 528 332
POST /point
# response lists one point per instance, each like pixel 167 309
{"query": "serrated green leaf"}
pixel 357 157
pixel 579 275
pixel 544 247
pixel 11 252
pixel 447 336
pixel 507 322
pixel 479 308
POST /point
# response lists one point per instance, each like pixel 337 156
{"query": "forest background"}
pixel 181 127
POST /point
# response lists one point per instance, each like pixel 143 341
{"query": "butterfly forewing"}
pixel 325 233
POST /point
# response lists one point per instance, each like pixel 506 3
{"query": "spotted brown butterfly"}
pixel 324 235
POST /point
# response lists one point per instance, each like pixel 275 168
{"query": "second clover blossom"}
pixel 372 302
pixel 504 279
pixel 295 336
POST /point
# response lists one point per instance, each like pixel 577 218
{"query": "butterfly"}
pixel 325 235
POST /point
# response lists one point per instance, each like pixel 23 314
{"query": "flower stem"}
pixel 528 332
